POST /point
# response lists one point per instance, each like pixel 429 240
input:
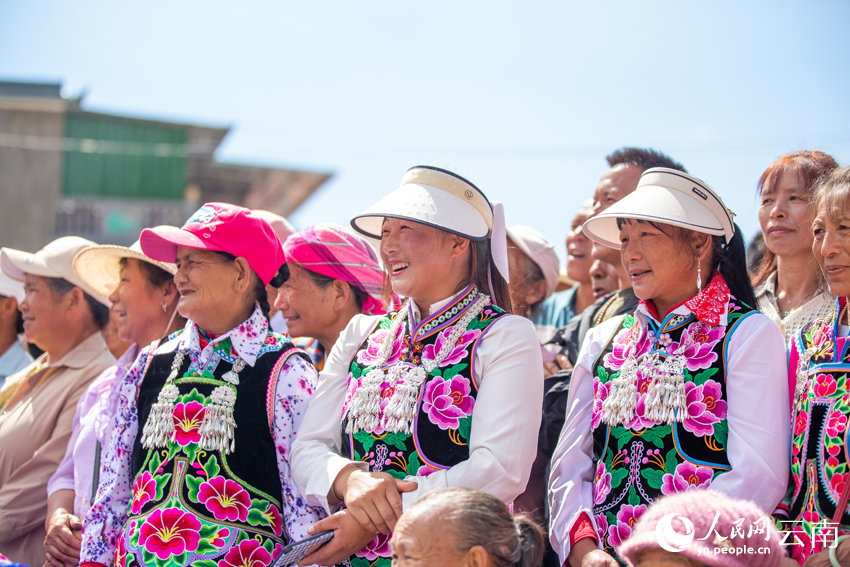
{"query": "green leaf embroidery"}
pixel 154 463
pixel 385 323
pixel 355 370
pixel 211 468
pixel 397 474
pixel 436 372
pixel 204 563
pixel 256 518
pixel 670 461
pixel 629 321
pixel 703 376
pixel 208 530
pixel 395 439
pixel 653 477
pixel 465 426
pixel 609 459
pixel 617 477
pixel 359 562
pixel 357 456
pixel 634 499
pixel 269 545
pixel 622 435
pixel 612 519
pixel 721 432
pixel 193 396
pixel 364 438
pixel 454 371
pixel 243 535
pixel 194 486
pixel 149 557
pixel 413 463
pixel 602 374
pixel 205 547
pixel 655 435
pixel 161 482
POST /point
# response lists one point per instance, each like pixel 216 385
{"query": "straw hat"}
pixel 99 266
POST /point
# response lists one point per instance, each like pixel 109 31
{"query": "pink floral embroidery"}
pixel 699 340
pixel 447 401
pixel 801 423
pixel 705 407
pixel 369 355
pixel 836 424
pixel 272 516
pixel 601 526
pixel 627 517
pixel 187 422
pixel 225 499
pixel 249 553
pixel 687 476
pixel 623 345
pixel 170 532
pixel 425 470
pixel 144 490
pixel 601 483
pixel 824 385
pixel 458 353
pixel 378 547
pixel 600 393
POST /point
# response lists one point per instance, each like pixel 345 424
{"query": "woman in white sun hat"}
pixel 144 305
pixel 535 271
pixel 13 355
pixel 63 316
pixel 405 384
pixel 688 392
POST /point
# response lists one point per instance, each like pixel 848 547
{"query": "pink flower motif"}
pixel 601 484
pixel 425 470
pixel 836 424
pixel 447 401
pixel 458 352
pixel 225 499
pixel 623 345
pixel 687 476
pixel 272 515
pixel 699 340
pixel 838 481
pixel 378 547
pixel 821 339
pixel 600 393
pixel 627 517
pixel 144 490
pixel 601 526
pixel 801 422
pixel 187 422
pixel 170 532
pixel 369 355
pixel 640 421
pixel 704 407
pixel 824 385
pixel 353 384
pixel 249 553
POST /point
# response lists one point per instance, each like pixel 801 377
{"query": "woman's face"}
pixel 660 267
pixel 42 311
pixel 831 247
pixel 579 260
pixel 307 308
pixel 784 215
pixel 205 281
pixel 416 543
pixel 137 305
pixel 424 264
pixel 603 277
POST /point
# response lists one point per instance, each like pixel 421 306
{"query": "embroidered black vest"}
pixel 444 408
pixel 192 506
pixel 643 460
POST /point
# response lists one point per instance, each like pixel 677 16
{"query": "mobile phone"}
pixel 295 552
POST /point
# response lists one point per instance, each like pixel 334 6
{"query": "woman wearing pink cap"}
pixel 401 388
pixel 197 472
pixel 687 393
pixel 333 275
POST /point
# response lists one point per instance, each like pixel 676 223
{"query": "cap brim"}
pixel 100 266
pixel 160 243
pixel 17 264
pixel 652 203
pixel 424 205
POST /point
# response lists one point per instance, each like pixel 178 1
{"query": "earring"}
pixel 164 307
pixel 699 276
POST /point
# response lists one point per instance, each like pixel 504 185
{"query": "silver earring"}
pixel 164 307
pixel 699 276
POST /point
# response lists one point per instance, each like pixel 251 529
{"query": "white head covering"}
pixel 541 252
pixel 99 266
pixel 444 200
pixel 11 288
pixel 665 196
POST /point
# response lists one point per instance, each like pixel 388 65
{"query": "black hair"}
pixel 324 281
pixel 643 158
pixel 258 289
pixel 99 312
pixel 156 276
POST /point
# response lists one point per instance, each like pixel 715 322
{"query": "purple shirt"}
pixel 93 422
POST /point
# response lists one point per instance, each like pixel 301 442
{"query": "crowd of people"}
pixel 429 387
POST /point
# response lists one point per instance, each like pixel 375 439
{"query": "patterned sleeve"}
pixel 295 384
pixel 104 522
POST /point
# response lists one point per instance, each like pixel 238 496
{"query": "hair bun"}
pixel 281 277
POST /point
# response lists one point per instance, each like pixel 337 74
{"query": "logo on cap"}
pixel 468 194
pixel 203 215
pixel 27 260
pixel 700 193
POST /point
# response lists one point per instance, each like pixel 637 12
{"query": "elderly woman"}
pixel 13 355
pixel 661 400
pixel 63 316
pixel 194 473
pixel 789 288
pixel 405 385
pixel 534 275
pixel 819 488
pixel 455 527
pixel 333 276
pixel 144 305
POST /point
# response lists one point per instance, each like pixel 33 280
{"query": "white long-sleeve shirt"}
pixel 505 421
pixel 758 417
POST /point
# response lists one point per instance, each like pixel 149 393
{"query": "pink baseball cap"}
pixel 220 227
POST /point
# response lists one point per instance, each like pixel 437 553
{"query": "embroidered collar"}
pixel 710 306
pixel 246 340
pixel 443 313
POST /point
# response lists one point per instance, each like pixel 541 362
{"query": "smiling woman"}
pixel 445 392
pixel 660 399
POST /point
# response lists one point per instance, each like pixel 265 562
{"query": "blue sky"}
pixel 524 98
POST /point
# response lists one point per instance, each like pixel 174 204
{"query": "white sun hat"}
pixel 665 196
pixel 56 260
pixel 444 200
pixel 541 252
pixel 11 288
pixel 100 266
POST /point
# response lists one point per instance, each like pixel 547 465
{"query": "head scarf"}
pixel 332 251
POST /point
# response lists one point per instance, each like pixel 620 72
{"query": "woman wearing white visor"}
pixel 689 392
pixel 405 384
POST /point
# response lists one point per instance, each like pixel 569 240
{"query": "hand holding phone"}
pixel 294 552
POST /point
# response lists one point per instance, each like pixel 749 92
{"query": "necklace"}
pixel 364 412
pixel 784 314
pixel 218 425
